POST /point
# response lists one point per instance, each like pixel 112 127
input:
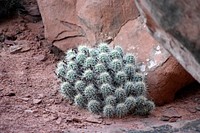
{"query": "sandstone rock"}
pixel 165 75
pixel 176 24
pixel 69 22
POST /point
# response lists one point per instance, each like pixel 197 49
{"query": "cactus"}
pixel 120 50
pixel 116 65
pixel 104 48
pixel 120 94
pixel 80 101
pixel 130 103
pixel 71 76
pixel 150 106
pixel 83 49
pixel 61 64
pixel 80 58
pixel 139 88
pixel 94 106
pixel 129 59
pixel 80 86
pixel 129 88
pixel 129 70
pixel 90 92
pixel 67 90
pixel 90 62
pixel 70 55
pixel 72 65
pixel 104 80
pixel 88 75
pixel 109 111
pixel 99 68
pixel 60 71
pixel 93 52
pixel 138 77
pixel 121 110
pixel 104 58
pixel 106 89
pixel 143 106
pixel 114 54
pixel 111 100
pixel 120 77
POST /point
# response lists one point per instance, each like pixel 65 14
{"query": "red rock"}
pixel 37 101
pixel 175 24
pixel 93 119
pixel 69 23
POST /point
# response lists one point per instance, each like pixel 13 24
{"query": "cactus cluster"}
pixel 104 80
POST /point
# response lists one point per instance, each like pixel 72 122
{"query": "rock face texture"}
pixel 69 23
pixel 177 26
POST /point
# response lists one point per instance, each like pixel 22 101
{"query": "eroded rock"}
pixel 176 24
pixel 69 23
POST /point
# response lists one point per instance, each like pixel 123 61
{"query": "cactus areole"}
pixel 104 80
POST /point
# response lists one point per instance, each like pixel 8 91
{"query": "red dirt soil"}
pixel 29 97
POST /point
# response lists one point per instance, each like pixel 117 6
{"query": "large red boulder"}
pixel 176 25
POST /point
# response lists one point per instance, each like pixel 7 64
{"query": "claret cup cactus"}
pixel 104 80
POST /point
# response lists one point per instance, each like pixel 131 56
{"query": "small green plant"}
pixel 109 111
pixel 130 103
pixel 129 88
pixel 140 88
pixel 67 90
pixel 129 59
pixel 103 47
pixel 90 62
pixel 120 94
pixel 72 66
pixel 90 92
pixel 104 80
pixel 83 49
pixel 88 75
pixel 121 110
pixel 80 58
pixel 120 77
pixel 80 86
pixel 138 77
pixel 99 68
pixel 129 70
pixel 119 49
pixel 80 101
pixel 143 106
pixel 116 65
pixel 114 54
pixel 104 58
pixel 71 76
pixel 106 90
pixel 112 100
pixel 94 106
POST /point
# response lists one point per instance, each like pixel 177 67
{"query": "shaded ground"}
pixel 30 102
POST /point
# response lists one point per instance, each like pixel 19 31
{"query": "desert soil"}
pixel 30 101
